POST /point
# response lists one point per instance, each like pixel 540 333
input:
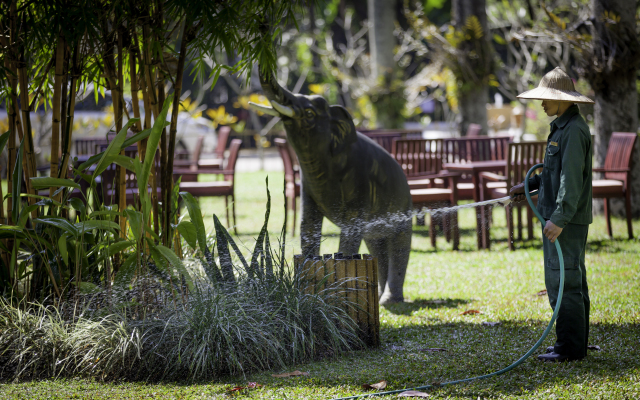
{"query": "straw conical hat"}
pixel 556 85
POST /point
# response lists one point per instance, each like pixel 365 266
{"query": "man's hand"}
pixel 551 231
pixel 517 192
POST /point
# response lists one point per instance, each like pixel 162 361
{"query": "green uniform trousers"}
pixel 572 325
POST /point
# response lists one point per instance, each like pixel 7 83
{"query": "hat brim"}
pixel 543 93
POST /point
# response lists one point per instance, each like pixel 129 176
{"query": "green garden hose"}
pixel 535 346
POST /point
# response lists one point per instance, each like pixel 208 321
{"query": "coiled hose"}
pixel 528 353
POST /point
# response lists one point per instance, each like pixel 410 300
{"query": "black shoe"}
pixel 551 349
pixel 555 357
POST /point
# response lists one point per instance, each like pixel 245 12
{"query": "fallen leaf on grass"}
pixel 290 374
pixel 542 293
pixel 487 323
pixel 377 386
pixel 413 393
pixel 434 349
pixel 250 385
pixel 593 347
pixel 471 312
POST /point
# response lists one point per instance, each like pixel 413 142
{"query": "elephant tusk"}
pixel 284 110
pixel 263 109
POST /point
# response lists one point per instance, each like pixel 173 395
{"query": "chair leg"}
pixel 509 211
pixel 519 223
pixel 529 223
pixel 226 208
pixel 233 210
pixel 627 203
pixel 432 230
pixel 486 227
pixel 456 231
pixel 446 226
pixel 607 216
pixel 293 228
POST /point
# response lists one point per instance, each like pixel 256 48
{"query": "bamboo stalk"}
pixel 120 172
pixel 57 94
pixel 186 32
pixel 73 91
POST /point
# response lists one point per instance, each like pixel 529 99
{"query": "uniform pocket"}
pixel 552 158
pixel 572 274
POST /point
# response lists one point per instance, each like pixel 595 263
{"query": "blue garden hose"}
pixel 535 346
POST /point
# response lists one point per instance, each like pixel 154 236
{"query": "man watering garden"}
pixel 564 200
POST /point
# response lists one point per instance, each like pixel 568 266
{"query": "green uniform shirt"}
pixel 565 182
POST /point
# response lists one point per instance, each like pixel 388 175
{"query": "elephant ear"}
pixel 343 131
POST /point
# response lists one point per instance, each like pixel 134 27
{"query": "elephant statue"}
pixel 349 179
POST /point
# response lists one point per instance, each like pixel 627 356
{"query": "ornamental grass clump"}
pixel 233 316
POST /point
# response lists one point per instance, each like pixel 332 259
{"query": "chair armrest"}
pixel 611 169
pixel 492 176
pixel 441 174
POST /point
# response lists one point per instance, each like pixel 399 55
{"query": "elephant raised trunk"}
pixel 280 98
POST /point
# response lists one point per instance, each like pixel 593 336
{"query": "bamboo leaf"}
pixel 46 182
pixel 24 214
pixel 152 147
pixel 258 250
pixel 113 150
pixel 3 140
pixel 196 218
pixel 62 247
pixel 126 271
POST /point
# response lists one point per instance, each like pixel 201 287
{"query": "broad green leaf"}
pixel 11 231
pixel 92 160
pixel 24 214
pixel 259 248
pixel 151 232
pixel 188 232
pixel 77 205
pixel 124 162
pixel 176 263
pixel 60 223
pixel 136 138
pixel 119 246
pixel 112 213
pixel 62 246
pixel 136 222
pixel 152 147
pixel 96 224
pixel 47 182
pixel 113 149
pixel 196 218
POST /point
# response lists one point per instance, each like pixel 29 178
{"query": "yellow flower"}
pixel 191 108
pixel 221 117
pixel 243 101
pixel 316 88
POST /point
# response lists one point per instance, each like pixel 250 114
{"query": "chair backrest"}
pixel 463 150
pixel 619 154
pixel 419 156
pixel 197 151
pixel 223 137
pixel 283 149
pixel 521 157
pixel 109 174
pixel 384 139
pixel 473 130
pixel 88 146
pixel 234 149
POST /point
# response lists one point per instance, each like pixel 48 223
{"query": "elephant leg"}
pixel 310 225
pixel 378 249
pixel 350 239
pixel 393 256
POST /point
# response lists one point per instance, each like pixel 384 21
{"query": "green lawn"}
pixel 441 284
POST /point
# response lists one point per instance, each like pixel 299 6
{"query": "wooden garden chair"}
pixel 617 176
pixel 521 157
pixel 224 188
pixel 291 177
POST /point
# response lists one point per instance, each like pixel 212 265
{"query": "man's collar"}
pixel 562 120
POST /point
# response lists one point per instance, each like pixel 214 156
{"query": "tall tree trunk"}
pixel 474 88
pixel 382 17
pixel 614 84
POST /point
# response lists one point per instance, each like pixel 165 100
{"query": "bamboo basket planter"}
pixel 356 278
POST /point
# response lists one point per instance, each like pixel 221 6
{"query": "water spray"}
pixel 504 201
